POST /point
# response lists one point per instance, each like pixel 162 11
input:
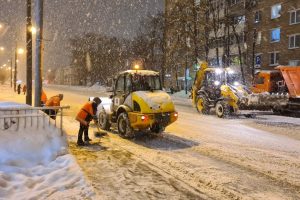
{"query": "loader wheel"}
pixel 223 110
pixel 103 121
pixel 124 127
pixel 202 105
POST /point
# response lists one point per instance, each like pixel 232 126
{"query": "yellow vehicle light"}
pixel 144 118
pixel 175 114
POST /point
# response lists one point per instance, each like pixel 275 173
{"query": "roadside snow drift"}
pixel 35 164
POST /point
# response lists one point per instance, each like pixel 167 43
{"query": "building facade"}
pixel 247 35
pixel 273 27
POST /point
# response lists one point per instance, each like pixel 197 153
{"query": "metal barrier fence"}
pixel 31 116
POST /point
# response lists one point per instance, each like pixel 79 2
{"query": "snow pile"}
pixel 94 88
pixel 181 94
pixel 97 87
pixel 35 164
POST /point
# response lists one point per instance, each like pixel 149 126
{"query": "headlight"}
pixel 219 71
pixel 217 83
pixel 236 83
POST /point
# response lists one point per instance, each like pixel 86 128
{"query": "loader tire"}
pixel 103 121
pixel 223 110
pixel 124 128
pixel 202 105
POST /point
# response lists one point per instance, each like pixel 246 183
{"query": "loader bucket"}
pixel 291 76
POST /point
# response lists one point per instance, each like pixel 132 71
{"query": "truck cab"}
pixel 138 103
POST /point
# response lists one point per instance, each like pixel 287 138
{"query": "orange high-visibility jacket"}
pixel 87 111
pixel 44 97
pixel 53 101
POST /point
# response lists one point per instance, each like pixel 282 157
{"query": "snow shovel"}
pixel 100 132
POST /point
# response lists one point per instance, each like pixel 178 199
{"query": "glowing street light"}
pixel 33 30
pixel 20 51
pixel 1 48
pixel 136 67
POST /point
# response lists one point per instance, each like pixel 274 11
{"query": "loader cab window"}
pixel 120 84
pixel 128 83
pixel 258 80
pixel 145 83
pixel 232 79
pixel 211 78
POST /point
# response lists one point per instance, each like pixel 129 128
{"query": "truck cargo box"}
pixel 291 76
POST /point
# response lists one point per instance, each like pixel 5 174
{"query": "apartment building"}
pixel 273 28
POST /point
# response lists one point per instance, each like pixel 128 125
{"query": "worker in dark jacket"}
pixel 86 114
pixel 24 89
pixel 19 88
pixel 52 102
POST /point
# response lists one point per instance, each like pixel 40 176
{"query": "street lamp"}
pixel 32 29
pixel 1 48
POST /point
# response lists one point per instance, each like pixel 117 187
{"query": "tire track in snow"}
pixel 179 167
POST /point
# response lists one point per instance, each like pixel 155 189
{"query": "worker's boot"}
pixel 80 143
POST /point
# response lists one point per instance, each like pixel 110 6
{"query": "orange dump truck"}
pixel 282 84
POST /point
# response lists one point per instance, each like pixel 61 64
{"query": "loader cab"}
pixel 213 79
pixel 132 81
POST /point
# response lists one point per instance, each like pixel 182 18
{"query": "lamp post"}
pixel 29 31
pixel 11 69
pixel 39 5
pixel 253 52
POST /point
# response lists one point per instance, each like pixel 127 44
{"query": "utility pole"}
pixel 16 66
pixel 253 53
pixel 164 65
pixel 29 55
pixel 11 69
pixel 39 48
pixel 186 74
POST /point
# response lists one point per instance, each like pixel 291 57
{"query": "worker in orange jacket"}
pixel 53 101
pixel 86 114
pixel 43 98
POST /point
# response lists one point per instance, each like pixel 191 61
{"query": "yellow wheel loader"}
pixel 217 88
pixel 138 103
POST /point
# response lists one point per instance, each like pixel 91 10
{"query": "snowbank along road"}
pixel 199 157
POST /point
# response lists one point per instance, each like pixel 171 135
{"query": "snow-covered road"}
pixel 198 157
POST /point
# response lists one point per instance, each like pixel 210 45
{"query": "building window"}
pixel 275 11
pixel 295 17
pixel 274 58
pixel 233 2
pixel 188 42
pixel 275 35
pixel 258 37
pixel 258 60
pixel 294 62
pixel 239 19
pixel 257 17
pixel 294 41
